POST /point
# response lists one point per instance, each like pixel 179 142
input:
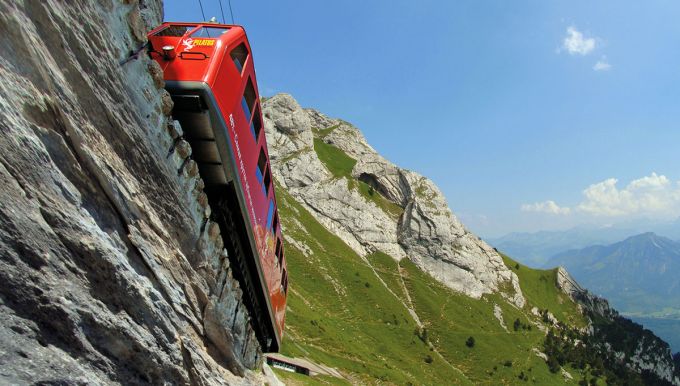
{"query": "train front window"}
pixel 239 56
pixel 175 30
pixel 209 32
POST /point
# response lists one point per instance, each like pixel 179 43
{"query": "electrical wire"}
pixel 201 5
pixel 230 11
pixel 224 21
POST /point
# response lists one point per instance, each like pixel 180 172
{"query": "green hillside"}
pixel 351 313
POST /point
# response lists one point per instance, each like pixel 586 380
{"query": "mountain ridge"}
pixel 536 248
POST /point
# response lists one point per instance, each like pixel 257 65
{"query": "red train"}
pixel 208 70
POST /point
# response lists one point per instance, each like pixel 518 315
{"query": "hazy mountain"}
pixel 639 275
pixel 537 248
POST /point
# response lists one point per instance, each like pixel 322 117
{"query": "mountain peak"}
pixel 374 205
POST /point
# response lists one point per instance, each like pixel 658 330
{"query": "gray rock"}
pixel 287 115
pixel 650 353
pixel 426 231
pixel 110 271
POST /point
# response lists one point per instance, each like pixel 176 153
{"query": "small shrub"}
pixel 507 363
pixel 470 342
pixel 367 285
pixel 428 359
pixel 517 266
pixel 553 365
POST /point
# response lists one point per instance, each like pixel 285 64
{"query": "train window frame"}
pixel 168 30
pixel 260 170
pixel 275 222
pixel 284 281
pixel 270 213
pixel 204 32
pixel 277 252
pixel 267 180
pixel 248 102
pixel 256 122
pixel 238 57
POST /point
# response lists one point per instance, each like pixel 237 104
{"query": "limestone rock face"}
pixel 650 353
pixel 408 217
pixel 110 271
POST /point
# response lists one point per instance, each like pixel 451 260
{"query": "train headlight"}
pixel 169 52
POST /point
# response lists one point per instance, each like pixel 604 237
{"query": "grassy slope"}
pixel 342 315
pixel 350 312
pixel 538 286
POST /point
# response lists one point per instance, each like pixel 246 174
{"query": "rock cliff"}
pixel 110 270
pixel 374 205
pixel 637 348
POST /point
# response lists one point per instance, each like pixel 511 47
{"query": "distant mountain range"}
pixel 535 249
pixel 639 275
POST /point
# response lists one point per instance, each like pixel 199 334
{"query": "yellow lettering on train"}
pixel 204 42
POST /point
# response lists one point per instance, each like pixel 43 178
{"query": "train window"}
pixel 209 32
pixel 245 107
pixel 266 181
pixel 239 56
pixel 175 30
pixel 248 100
pixel 280 256
pixel 275 223
pixel 270 214
pixel 256 125
pixel 284 281
pixel 261 167
pixel 278 251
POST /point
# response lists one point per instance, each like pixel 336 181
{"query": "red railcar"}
pixel 209 72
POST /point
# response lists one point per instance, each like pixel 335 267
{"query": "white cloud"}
pixel 576 43
pixel 653 196
pixel 545 207
pixel 602 65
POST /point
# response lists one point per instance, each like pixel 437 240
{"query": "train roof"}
pixel 224 32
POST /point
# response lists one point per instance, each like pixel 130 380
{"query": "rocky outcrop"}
pixel 609 331
pixel 110 270
pixel 420 225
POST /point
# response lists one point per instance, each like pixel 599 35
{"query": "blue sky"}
pixel 503 104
